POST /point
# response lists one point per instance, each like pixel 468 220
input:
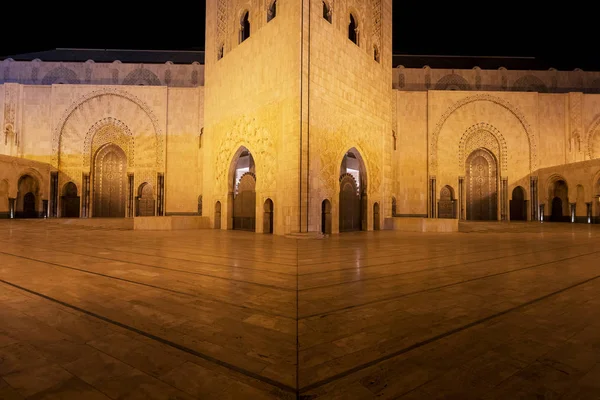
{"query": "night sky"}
pixel 486 29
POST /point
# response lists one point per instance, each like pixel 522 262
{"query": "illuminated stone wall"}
pixel 252 99
pixel 349 110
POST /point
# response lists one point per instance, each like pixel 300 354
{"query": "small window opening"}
pixel 245 27
pixel 220 52
pixel 272 13
pixel 353 30
pixel 376 55
pixel 326 12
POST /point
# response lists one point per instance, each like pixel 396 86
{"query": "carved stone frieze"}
pixel 247 132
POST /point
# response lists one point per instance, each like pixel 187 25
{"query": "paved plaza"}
pixel 496 311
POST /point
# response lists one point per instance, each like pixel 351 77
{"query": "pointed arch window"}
pixel 245 26
pixel 272 12
pixel 353 30
pixel 326 12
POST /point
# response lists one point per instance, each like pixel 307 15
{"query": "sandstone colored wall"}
pixel 350 109
pixel 252 99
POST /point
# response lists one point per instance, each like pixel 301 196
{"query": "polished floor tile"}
pixel 496 311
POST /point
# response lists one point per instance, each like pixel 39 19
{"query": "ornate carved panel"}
pixel 576 120
pixel 482 186
pixel 11 99
pixel 376 22
pixel 110 182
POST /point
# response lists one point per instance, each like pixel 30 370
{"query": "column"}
pixel 130 210
pixel 533 190
pixel 160 195
pixel 85 196
pixel 589 212
pixel 573 207
pixel 11 207
pixel 44 208
pixel 541 212
pixel 461 194
pixel 432 197
pixel 503 213
pixel 53 195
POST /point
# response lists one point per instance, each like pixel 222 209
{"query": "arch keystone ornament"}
pixel 433 144
pixel 483 135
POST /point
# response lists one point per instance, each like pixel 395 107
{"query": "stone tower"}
pixel 291 86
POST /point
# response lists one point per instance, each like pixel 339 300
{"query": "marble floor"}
pixel 496 311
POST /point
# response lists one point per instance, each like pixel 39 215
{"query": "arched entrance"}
pixel 376 224
pixel 70 201
pixel 557 210
pixel 110 182
pixel 27 197
pixel 218 215
pixel 447 203
pixel 326 217
pixel 244 192
pixel 518 208
pixel 558 197
pixel 268 217
pixel 482 186
pixel 353 198
pixel 145 200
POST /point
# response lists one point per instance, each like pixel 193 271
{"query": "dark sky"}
pixel 420 27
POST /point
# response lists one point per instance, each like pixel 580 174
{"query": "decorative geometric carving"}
pixel 593 139
pixel 433 146
pixel 452 82
pixel 485 136
pixel 158 134
pixel 529 83
pixel 376 22
pixel 221 34
pixel 427 77
pixel 247 182
pixel 477 78
pixel 194 77
pixel 108 130
pixel 168 77
pixel 246 132
pixel 349 177
pixel 89 65
pixel 141 76
pixel 11 99
pixel 576 120
pixel 60 75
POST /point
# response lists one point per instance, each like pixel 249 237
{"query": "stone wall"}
pixel 39 72
pixel 252 100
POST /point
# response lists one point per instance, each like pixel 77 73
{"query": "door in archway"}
pixel 557 210
pixel 218 215
pixel 350 215
pixel 482 189
pixel 145 201
pixel 244 204
pixel 268 217
pixel 29 206
pixel 518 211
pixel 110 182
pixel 70 201
pixel 376 225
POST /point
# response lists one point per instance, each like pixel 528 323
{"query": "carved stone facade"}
pixel 417 142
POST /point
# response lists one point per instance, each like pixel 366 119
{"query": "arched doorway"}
pixel 376 224
pixel 27 197
pixel 218 215
pixel 70 201
pixel 145 200
pixel 558 197
pixel 326 217
pixel 557 210
pixel 447 203
pixel 268 217
pixel 353 198
pixel 110 182
pixel 244 192
pixel 482 186
pixel 518 209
